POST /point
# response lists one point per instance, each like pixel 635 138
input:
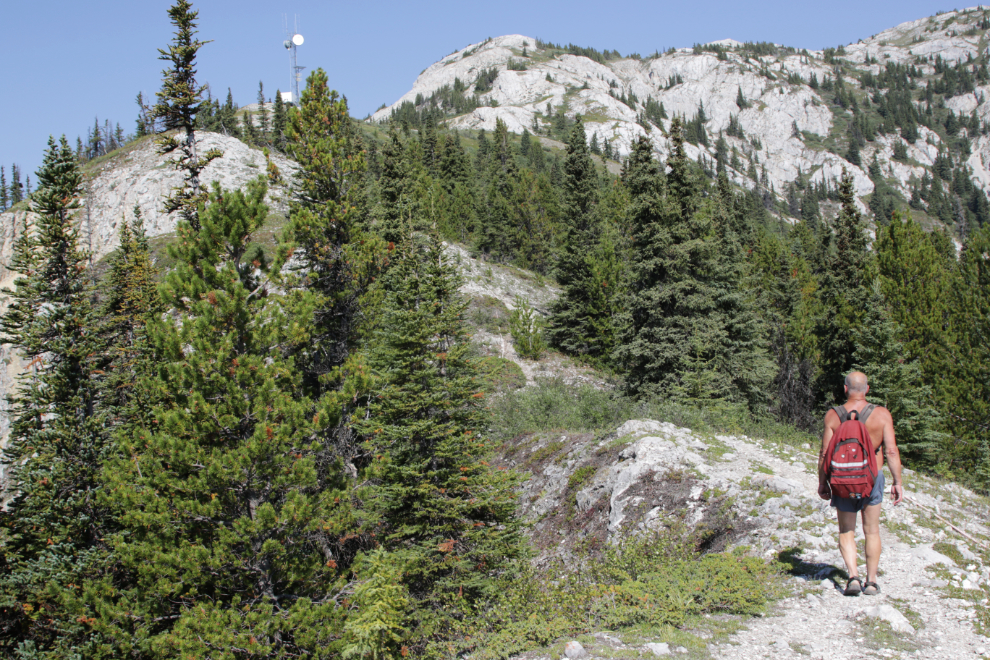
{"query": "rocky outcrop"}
pixel 775 88
pixel 135 176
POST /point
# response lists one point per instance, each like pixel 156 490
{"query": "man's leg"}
pixel 847 540
pixel 871 529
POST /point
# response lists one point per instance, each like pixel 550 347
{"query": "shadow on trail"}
pixel 795 566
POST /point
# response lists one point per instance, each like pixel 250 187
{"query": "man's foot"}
pixel 854 587
pixel 871 588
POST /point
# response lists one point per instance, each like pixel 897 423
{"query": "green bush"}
pixel 553 404
pixel 499 374
pixel 526 326
pixel 656 580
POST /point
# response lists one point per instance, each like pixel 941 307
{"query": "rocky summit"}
pixel 773 97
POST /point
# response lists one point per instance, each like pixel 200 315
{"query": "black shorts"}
pixel 850 505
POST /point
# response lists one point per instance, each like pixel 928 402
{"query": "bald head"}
pixel 856 383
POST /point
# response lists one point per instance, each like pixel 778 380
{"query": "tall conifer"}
pixel 447 514
pixel 53 533
pixel 690 330
pixel 582 319
pixel 178 104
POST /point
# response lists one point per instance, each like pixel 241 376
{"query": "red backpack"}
pixel 850 461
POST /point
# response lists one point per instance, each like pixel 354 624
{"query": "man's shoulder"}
pixel 880 413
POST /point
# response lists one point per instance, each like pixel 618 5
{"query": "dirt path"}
pixel 935 580
pixel 916 615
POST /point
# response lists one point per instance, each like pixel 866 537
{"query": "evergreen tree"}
pixel 279 122
pixel 249 550
pixel 333 259
pixel 689 330
pixel 917 284
pixel 53 532
pixel 179 101
pixel 393 212
pixel 896 381
pixel 16 187
pixel 444 512
pixel 4 198
pixel 262 112
pixel 963 386
pixel 844 293
pixel 582 318
pixel 129 302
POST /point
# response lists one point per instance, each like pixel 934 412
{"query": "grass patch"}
pixel 951 551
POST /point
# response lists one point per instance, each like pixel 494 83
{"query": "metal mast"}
pixel 291 43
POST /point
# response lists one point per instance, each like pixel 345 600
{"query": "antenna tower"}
pixel 292 41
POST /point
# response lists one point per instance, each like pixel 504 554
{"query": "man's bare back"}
pixel 880 426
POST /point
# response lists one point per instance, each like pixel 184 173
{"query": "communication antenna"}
pixel 292 41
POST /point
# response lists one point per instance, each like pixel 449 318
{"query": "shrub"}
pixel 526 326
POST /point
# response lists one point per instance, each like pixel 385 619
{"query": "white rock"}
pixel 898 622
pixel 574 650
pixel 928 556
pixel 661 648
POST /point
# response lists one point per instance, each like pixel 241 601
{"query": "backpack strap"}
pixel 842 413
pixel 865 412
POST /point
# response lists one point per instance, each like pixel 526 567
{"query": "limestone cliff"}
pixel 775 87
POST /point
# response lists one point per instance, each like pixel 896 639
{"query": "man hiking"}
pixel 880 428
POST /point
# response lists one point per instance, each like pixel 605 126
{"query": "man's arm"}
pixel 893 457
pixel 831 423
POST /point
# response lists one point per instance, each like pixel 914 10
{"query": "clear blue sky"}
pixel 65 62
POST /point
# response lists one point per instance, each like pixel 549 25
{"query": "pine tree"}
pixel 441 508
pixel 4 199
pixel 279 122
pixel 333 259
pixel 54 531
pixel 843 294
pixel 689 329
pixel 581 320
pixel 262 112
pixel 896 381
pixel 179 101
pixel 16 187
pixel 251 549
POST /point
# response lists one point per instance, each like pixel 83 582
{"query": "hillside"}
pixel 799 109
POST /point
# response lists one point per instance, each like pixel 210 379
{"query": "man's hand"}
pixel 824 491
pixel 897 492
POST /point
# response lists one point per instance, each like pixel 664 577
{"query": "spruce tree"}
pixel 896 381
pixel 54 530
pixel 16 187
pixel 179 101
pixel 582 318
pixel 917 283
pixel 445 513
pixel 129 302
pixel 844 292
pixel 963 385
pixel 279 122
pixel 394 211
pixel 262 112
pixel 689 328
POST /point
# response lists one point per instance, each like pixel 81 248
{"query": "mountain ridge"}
pixel 785 119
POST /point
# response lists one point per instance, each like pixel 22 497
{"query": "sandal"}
pixel 871 585
pixel 853 589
